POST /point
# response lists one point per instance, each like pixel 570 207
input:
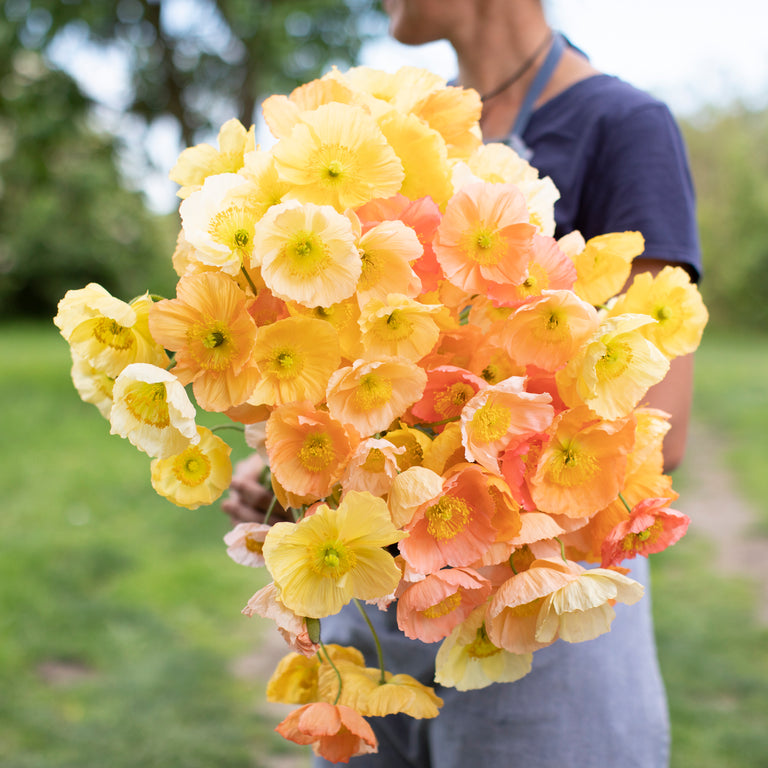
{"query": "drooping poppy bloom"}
pixel 196 163
pixel 549 330
pixel 604 265
pixel 502 415
pixel 108 333
pixel 485 236
pixel 335 732
pixel 337 155
pixel 674 302
pixel 430 608
pixel 295 357
pixel 581 468
pixel 196 476
pixel 209 328
pixel 454 528
pixel 308 449
pixel 322 562
pixel 308 254
pixel 245 543
pixel 652 527
pixel 468 660
pixel 370 395
pixel 151 409
pixel 92 385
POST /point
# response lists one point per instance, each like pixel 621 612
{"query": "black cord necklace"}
pixel 526 65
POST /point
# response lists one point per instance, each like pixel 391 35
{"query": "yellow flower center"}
pixel 396 326
pixel 662 313
pixel 448 518
pixel 490 373
pixel 451 400
pixel 252 544
pixel 372 392
pixel 147 404
pixel 306 254
pixel 285 363
pixel 332 559
pixel 444 607
pixel 317 452
pixel 232 227
pixel 481 647
pixel 633 541
pixel 526 609
pixel 333 164
pixel 490 422
pixel 216 348
pixel 572 465
pixel 112 334
pixel 615 360
pixel 372 269
pixel 483 245
pixel 375 461
pixel 192 467
pixel 413 455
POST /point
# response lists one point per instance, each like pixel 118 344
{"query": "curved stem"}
pixel 250 282
pixel 439 423
pixel 335 669
pixel 236 427
pixel 379 652
pixel 270 509
pixel 562 549
pixel 624 502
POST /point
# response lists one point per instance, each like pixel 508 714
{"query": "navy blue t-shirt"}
pixel 617 157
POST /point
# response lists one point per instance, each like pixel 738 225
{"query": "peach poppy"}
pixel 500 416
pixel 335 732
pixel 295 357
pixel 209 328
pixel 245 543
pixel 454 113
pixel 548 331
pixel 371 395
pixel 372 467
pixel 454 528
pixel 430 608
pixel 652 527
pixel 411 489
pixel 447 391
pixel 484 237
pixel 398 327
pixel 581 468
pixel 307 448
pixel 308 254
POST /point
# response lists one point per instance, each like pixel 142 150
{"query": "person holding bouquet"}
pixel 618 161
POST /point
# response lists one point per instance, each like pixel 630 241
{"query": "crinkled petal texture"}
pixel 295 357
pixel 152 410
pixel 308 449
pixel 196 476
pixel 210 329
pixel 373 467
pixel 614 369
pixel 106 332
pixel 337 155
pixel 468 660
pixel 429 609
pixel 674 302
pixel 582 609
pixel 308 254
pixel 453 528
pixel 485 236
pixel 334 555
pixel 371 395
pixel 245 543
pixel 548 331
pixel 335 732
pixel 604 265
pixel 581 468
pixel 651 527
pixel 502 416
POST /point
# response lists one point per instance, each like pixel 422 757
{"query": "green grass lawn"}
pixel 120 614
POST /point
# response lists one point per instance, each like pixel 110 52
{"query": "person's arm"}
pixel 675 392
pixel 248 499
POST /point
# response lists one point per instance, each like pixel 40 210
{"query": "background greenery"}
pixel 121 639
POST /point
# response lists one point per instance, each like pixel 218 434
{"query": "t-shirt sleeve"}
pixel 641 181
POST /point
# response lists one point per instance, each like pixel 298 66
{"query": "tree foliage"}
pixel 729 162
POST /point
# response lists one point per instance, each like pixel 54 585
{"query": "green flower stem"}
pixel 562 549
pixel 220 427
pixel 270 509
pixel 439 423
pixel 250 282
pixel 379 652
pixel 335 669
pixel 624 502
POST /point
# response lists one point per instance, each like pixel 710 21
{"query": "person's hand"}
pixel 248 500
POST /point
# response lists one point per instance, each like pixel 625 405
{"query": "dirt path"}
pixel 718 510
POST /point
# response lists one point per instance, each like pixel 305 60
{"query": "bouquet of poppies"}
pixel 449 399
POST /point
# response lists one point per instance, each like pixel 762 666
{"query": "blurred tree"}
pixel 729 163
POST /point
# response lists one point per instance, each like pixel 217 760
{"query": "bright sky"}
pixel 688 52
